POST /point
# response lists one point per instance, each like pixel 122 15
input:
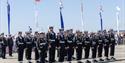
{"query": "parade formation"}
pixel 64 45
pixel 66 42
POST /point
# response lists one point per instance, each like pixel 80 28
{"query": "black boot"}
pixel 87 61
pixel 95 61
pixel 113 59
pixel 101 60
pixel 79 62
pixel 107 59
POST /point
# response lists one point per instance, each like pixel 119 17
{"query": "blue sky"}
pixel 22 14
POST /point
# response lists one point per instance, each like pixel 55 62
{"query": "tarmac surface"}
pixel 119 55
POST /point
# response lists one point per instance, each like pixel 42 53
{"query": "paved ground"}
pixel 120 56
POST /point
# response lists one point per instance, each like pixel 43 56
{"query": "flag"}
pixel 61 17
pixel 101 21
pixel 8 15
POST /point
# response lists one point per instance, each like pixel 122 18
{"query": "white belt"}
pixel 112 39
pixel 69 41
pixel 52 40
pixel 100 40
pixel 62 41
pixel 79 43
pixel 93 43
pixel 20 43
pixel 87 42
pixel 28 42
pixel 106 40
pixel 42 43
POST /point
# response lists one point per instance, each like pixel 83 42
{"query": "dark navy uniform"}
pixel 94 45
pixel 71 32
pixel 51 38
pixel 79 45
pixel 29 45
pixel 43 47
pixel 100 46
pixel 106 45
pixel 35 40
pixel 112 44
pixel 10 45
pixel 3 45
pixel 62 45
pixel 87 44
pixel 70 45
pixel 20 47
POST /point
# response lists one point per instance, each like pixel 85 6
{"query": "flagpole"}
pixel 82 17
pixel 36 16
pixel 117 19
pixel 8 15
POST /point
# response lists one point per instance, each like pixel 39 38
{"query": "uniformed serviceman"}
pixel 10 44
pixel 35 40
pixel 29 45
pixel 87 45
pixel 51 38
pixel 94 45
pixel 3 45
pixel 112 44
pixel 78 44
pixel 43 47
pixel 62 45
pixel 65 35
pixel 71 32
pixel 100 45
pixel 70 45
pixel 106 44
pixel 20 46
